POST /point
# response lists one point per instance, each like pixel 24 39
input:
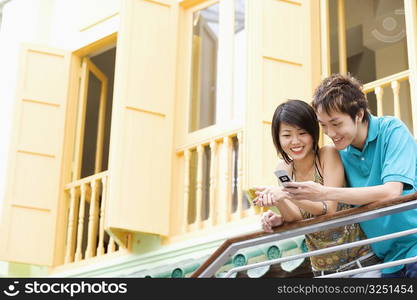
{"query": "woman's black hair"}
pixel 296 113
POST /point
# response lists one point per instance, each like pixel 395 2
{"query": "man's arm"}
pixel 398 172
pixel 357 196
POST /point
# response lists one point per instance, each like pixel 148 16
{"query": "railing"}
pixel 84 242
pixel 289 230
pixel 394 82
pixel 212 179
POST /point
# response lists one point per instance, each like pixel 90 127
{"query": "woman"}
pixel 295 133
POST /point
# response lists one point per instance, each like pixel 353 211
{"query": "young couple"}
pixel 376 156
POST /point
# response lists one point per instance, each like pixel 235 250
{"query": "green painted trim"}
pixel 130 263
pixel 12 269
pixel 153 260
pixel 182 271
pixel 197 248
pixel 242 258
pixel 4 268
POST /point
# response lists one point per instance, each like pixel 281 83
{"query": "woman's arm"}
pixel 274 196
pixel 333 175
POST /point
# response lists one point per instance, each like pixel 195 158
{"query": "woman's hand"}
pixel 269 220
pixel 308 190
pixel 269 196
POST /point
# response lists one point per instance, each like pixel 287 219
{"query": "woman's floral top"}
pixel 333 237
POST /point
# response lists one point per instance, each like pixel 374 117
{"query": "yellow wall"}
pixel 56 23
pixel 139 102
pixel 28 27
pixel 50 24
pixel 283 52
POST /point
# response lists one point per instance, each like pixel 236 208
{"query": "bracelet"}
pixel 324 208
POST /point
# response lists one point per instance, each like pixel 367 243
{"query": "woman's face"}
pixel 295 141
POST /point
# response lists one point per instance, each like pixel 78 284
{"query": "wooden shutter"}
pixel 284 63
pixel 142 121
pixel 29 228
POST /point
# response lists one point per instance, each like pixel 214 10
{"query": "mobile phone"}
pixel 283 177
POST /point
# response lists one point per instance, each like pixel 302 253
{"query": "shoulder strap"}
pixel 318 171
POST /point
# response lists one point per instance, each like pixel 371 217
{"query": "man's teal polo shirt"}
pixel 389 155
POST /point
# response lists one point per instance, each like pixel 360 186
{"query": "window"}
pixel 91 153
pixel 375 48
pixel 2 3
pixel 376 41
pixel 218 64
pixel 239 55
pixel 204 67
pixel 94 114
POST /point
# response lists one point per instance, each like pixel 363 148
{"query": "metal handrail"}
pixel 322 251
pixel 372 268
pixel 341 218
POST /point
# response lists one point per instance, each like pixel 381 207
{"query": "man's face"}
pixel 339 127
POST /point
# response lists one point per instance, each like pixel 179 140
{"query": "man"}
pixel 380 159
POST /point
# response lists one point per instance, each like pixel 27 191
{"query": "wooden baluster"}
pixel 78 252
pixel 112 246
pixel 379 92
pixel 199 185
pixel 225 183
pixel 229 176
pixel 240 173
pixel 395 85
pixel 129 245
pixel 187 158
pixel 213 150
pixel 69 251
pixel 92 222
pixel 100 248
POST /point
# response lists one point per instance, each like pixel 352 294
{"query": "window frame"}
pixel 225 119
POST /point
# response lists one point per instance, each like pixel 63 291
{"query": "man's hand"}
pixel 308 190
pixel 270 219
